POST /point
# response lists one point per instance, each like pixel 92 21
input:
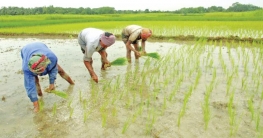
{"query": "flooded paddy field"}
pixel 204 89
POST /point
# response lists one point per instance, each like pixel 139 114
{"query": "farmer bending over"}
pixel 39 60
pixel 92 40
pixel 130 35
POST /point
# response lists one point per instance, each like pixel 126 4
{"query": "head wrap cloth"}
pixel 107 38
pixel 38 63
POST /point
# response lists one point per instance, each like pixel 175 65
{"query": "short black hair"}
pixel 108 34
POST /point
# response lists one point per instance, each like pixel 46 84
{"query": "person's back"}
pixel 132 32
pixel 90 35
pixel 36 48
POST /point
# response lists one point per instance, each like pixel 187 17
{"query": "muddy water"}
pixel 99 112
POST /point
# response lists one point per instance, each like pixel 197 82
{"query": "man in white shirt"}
pixel 95 40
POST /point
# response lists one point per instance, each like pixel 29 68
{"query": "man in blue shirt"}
pixel 38 59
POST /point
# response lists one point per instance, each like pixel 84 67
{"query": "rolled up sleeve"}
pixel 30 85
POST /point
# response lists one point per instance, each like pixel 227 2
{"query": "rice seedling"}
pixel 150 121
pixel 181 114
pixel 41 104
pixel 60 94
pixel 85 116
pixel 199 73
pixel 258 121
pixel 173 93
pixel 119 61
pixel 251 107
pixel 186 98
pixel 229 83
pixel 71 112
pixel 69 103
pixel 84 103
pixel 126 125
pixel 104 118
pixel 54 109
pixel 153 55
pixel 205 105
pixel 231 110
pixel 164 106
pixel 206 112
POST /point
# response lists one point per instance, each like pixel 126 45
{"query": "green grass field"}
pixel 242 24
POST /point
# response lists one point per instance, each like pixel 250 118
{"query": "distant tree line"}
pixel 235 7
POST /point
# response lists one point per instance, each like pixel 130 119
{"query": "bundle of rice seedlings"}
pixel 60 94
pixel 153 55
pixel 119 61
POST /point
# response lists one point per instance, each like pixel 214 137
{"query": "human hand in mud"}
pixel 36 106
pixel 137 54
pixel 50 88
pixel 143 53
pixel 105 65
pixel 94 77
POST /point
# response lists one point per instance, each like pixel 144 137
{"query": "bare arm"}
pixel 64 75
pixel 143 45
pixel 88 65
pixel 128 46
pixel 103 55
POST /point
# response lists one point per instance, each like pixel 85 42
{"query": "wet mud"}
pixel 140 99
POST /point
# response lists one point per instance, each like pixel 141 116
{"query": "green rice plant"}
pixel 71 112
pixel 119 61
pixel 231 110
pixel 127 102
pixel 229 82
pixel 137 112
pixel 150 122
pixel 199 73
pixel 69 103
pixel 41 104
pixel 205 105
pixel 85 116
pixel 164 106
pixel 173 93
pixel 104 118
pixel 126 125
pixel 84 103
pixel 186 98
pixel 148 102
pixel 60 94
pixel 206 112
pixel 114 112
pixel 244 84
pixel 181 114
pixel 153 55
pixel 251 107
pixel 114 99
pixel 258 121
pixel 54 109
